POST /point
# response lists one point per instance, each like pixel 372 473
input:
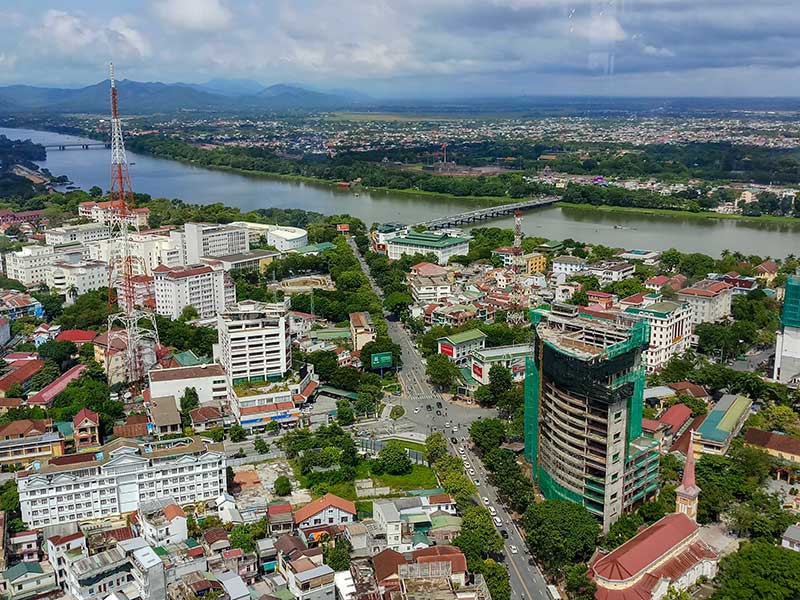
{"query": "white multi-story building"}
pixel 117 478
pixel 73 279
pixel 206 287
pixel 202 239
pixel 286 238
pixel 381 235
pixel 568 265
pixel 610 271
pixel 102 212
pixel 441 245
pixel 69 234
pixel 208 381
pixel 30 265
pixel 670 331
pixel 161 522
pixel 434 289
pixel 708 300
pixel 148 251
pixel 254 341
pixel 62 551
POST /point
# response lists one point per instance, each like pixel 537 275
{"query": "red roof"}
pixel 676 416
pixel 21 374
pixel 440 499
pixel 58 540
pixel 687 387
pixel 682 443
pixel 121 534
pixel 645 548
pixel 51 390
pixel 85 415
pixel 195 552
pixel 386 563
pixel 635 299
pixel 171 511
pixel 320 504
pixel 278 509
pixel 445 553
pixel 651 425
pixel 233 553
pixel 659 280
pixel 778 442
pixel 79 336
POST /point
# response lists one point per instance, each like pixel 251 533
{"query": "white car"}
pixel 447 424
pixel 472 472
pixel 498 522
pixel 493 511
pixel 461 450
pixel 513 549
pixel 455 429
pixel 467 466
pixel 416 410
pixel 485 500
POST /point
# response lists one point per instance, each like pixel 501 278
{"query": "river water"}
pixel 170 179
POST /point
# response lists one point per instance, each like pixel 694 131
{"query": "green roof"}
pixel 469 335
pixel 187 359
pixel 191 543
pixel 416 518
pixel 791 302
pixel 429 239
pixel 160 550
pixel 337 392
pixel 660 309
pixel 441 521
pixel 284 594
pixel 332 333
pixel 65 428
pixel 718 426
pixel 419 537
pixel 23 568
pixel 321 247
pixel 466 375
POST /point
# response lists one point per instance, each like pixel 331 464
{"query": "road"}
pixel 527 582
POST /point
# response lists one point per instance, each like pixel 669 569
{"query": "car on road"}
pixel 485 500
pixel 472 472
pixel 428 407
pixel 467 466
pixel 363 432
pixel 513 549
pixel 531 562
pixel 493 511
pixel 438 405
pixel 416 410
pixel 438 413
pixel 447 423
pixel 396 393
pixel 504 533
pixel 461 451
pixel 497 521
pixel 453 440
pixel 476 481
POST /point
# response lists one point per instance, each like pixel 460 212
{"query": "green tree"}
pixel 759 570
pixel 441 371
pixel 578 584
pixel 344 412
pixel 496 577
pixel 487 434
pixel 435 447
pixel 478 537
pixel 283 486
pixel 560 533
pixel 9 497
pixel 237 433
pixel 394 459
pixel 622 530
pixel 676 594
pixel 241 537
pixel 501 380
pixel 15 390
pixel 260 445
pixel 396 412
pixel 59 352
pixel 217 434
pixel 579 298
pixel 337 556
pixel 189 401
pixel 397 303
pixel 189 313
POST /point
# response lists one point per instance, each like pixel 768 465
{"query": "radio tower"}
pixel 517 228
pixel 126 329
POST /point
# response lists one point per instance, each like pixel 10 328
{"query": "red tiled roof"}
pixel 171 511
pixel 658 280
pixel 59 540
pixel 651 425
pixel 79 336
pixel 10 402
pixel 120 534
pixel 204 414
pixel 687 387
pixel 21 374
pixel 440 499
pixel 772 441
pixel 195 552
pixel 682 443
pixel 386 563
pixel 320 504
pixel 232 553
pixel 50 391
pixel 278 509
pixel 445 553
pixel 214 535
pixel 645 548
pixel 85 415
pixel 768 266
pixel 176 374
pixel 72 459
pixel 25 428
pixel 635 299
pixel 676 416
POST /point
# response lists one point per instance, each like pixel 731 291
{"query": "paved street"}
pixel 527 581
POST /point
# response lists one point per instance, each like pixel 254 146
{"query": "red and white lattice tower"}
pixel 517 228
pixel 131 331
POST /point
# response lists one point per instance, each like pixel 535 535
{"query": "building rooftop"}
pixel 771 440
pixel 179 373
pixel 502 351
pixel 470 335
pixel 723 418
pixel 429 239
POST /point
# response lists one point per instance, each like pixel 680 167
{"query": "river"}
pixel 171 179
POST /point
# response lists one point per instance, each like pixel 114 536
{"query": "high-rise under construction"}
pixel 584 385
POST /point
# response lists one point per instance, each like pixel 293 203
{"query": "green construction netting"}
pixel 791 303
pixel 531 418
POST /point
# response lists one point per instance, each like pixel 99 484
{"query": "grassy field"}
pixel 420 478
pixel 791 221
pixel 418 446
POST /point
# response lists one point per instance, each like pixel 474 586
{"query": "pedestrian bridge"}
pixel 492 212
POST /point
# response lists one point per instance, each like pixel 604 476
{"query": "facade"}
pixel 30 265
pixel 670 331
pixel 81 234
pixel 27 580
pixel 583 412
pixel 427 289
pixel 286 238
pixel 532 263
pixel 74 279
pixel 254 341
pixel 721 425
pixel 568 265
pixel 252 260
pixel 708 301
pixel 328 510
pixel 307 578
pixel 62 551
pixel 382 234
pixel 783 447
pixel 148 252
pixel 787 342
pixel 362 331
pixel 118 478
pixel 611 271
pixel 161 522
pixel 507 254
pixel 203 239
pixel 510 357
pixel 24 441
pixel 15 304
pixel 459 346
pixel 104 212
pixel 208 381
pixel 441 245
pixel 207 288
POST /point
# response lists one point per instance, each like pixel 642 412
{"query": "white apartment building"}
pixel 433 289
pixel 117 478
pixel 441 245
pixel 670 331
pixel 73 279
pixel 64 550
pixel 568 265
pixel 708 300
pixel 69 234
pixel 102 212
pixel 208 288
pixel 30 265
pixel 149 251
pixel 202 239
pixel 611 271
pixel 254 341
pixel 209 382
pixel 161 522
pixel 286 238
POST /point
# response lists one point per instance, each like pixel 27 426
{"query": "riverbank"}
pixel 659 212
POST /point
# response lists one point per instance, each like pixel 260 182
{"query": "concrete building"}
pixel 721 425
pixel 207 288
pixel 787 342
pixel 75 279
pixel 120 476
pixel 362 331
pixel 252 260
pixel 30 265
pixel 254 341
pixel 104 212
pixel 161 522
pixel 610 271
pixel 583 412
pixel 15 304
pixel 507 254
pixel 459 346
pixel 286 238
pixel 708 301
pixel 430 289
pixel 441 245
pixel 25 440
pixel 62 551
pixel 208 381
pixel 28 580
pixel 81 234
pixel 307 578
pixel 510 357
pixel 203 239
pixel 148 251
pixel 532 263
pixel 670 331
pixel 568 265
pixel 382 234
pixel 325 511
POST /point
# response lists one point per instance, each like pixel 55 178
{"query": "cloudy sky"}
pixel 415 48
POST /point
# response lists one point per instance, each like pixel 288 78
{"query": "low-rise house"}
pixel 458 346
pixel 721 425
pixel 267 554
pixel 135 426
pixel 24 546
pixel 205 418
pixel 609 271
pixel 510 357
pixel 164 416
pixel 62 551
pixel 79 337
pixel 783 447
pixel 507 254
pixel 444 554
pixel 676 419
pixel 362 331
pixel 568 265
pixel 26 440
pixel 216 540
pixel 328 510
pixel 426 289
pixel 21 374
pixel 45 396
pixel 208 380
pixel 244 564
pixel 739 283
pixel 691 389
pixel 234 586
pixel 791 538
pixel 28 580
pixel 86 429
pixel 386 564
pixel 767 271
pixel 280 517
pixel 161 522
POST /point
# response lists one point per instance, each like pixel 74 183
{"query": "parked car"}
pixel 504 533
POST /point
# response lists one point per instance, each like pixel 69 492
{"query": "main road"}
pixel 526 579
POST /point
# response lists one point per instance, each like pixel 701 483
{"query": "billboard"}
pixel 380 360
pixel 343 228
pixel 446 349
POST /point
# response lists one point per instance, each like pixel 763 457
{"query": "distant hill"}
pixel 229 87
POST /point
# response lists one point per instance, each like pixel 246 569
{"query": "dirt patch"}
pixel 268 472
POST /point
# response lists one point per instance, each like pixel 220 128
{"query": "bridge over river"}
pixel 77 145
pixel 492 212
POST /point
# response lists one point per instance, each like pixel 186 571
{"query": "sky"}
pixel 414 48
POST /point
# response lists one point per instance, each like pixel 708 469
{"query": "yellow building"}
pixel 534 262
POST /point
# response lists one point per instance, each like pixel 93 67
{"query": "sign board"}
pixel 343 228
pixel 447 350
pixel 380 360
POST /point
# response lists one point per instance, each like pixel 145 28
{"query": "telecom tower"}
pixel 517 228
pixel 126 329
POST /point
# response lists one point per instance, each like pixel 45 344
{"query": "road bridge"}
pixel 492 212
pixel 77 145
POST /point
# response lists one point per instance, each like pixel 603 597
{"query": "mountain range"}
pixel 154 97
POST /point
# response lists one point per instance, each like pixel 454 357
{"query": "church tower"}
pixel 687 492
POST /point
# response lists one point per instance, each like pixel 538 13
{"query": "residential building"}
pixel 767 271
pixel 785 448
pixel 254 341
pixel 610 271
pixel 164 416
pixel 568 265
pixel 676 419
pixel 510 357
pixel 111 355
pixel 791 538
pixel 430 289
pixel 280 517
pixel 670 331
pixel 205 418
pixel 24 546
pixel 708 301
pixel 81 234
pixel 106 212
pixel 27 580
pixel 362 331
pixel 254 405
pixel 75 279
pixel 252 260
pixel 286 238
pixel 648 257
pixel 739 283
pixel 30 265
pixel 458 346
pixel 325 511
pixel 721 425
pixel 199 240
pixel 382 234
pixel 21 374
pixel 26 440
pixel 441 245
pixel 161 522
pixel 207 288
pixel 208 380
pixel 583 411
pixel 86 429
pixel 507 254
pixel 62 551
pixel 307 578
pixel 148 251
pixel 532 263
pixel 118 477
pixel 787 342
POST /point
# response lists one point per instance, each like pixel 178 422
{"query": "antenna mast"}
pixel 131 331
pixel 517 228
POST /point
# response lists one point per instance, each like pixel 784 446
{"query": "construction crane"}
pixel 131 331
